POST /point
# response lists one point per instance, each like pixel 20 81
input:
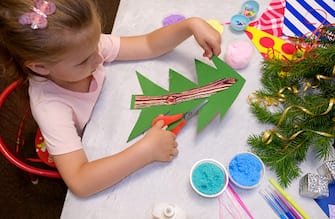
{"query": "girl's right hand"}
pixel 159 143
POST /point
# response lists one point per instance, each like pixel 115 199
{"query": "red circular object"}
pixel 249 34
pixel 288 48
pixel 267 42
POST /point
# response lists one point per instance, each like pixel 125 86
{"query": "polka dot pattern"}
pixel 270 46
pixel 288 48
pixel 266 42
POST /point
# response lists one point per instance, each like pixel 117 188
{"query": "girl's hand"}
pixel 206 36
pixel 159 143
pixel 166 38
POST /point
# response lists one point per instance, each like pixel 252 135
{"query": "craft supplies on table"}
pixel 321 187
pixel 279 204
pixel 239 200
pixel 289 207
pixel 238 54
pixel 302 17
pixel 328 204
pixel 239 22
pixel 209 178
pixel 182 118
pixel 276 208
pixel 250 9
pixel 314 186
pixel 327 169
pixel 248 12
pixel 288 198
pixel 220 139
pixel 246 170
pixel 173 18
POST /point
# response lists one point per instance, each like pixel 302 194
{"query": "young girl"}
pixel 58 46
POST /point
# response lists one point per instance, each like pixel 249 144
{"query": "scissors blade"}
pixel 190 114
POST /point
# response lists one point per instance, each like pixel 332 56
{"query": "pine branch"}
pixel 298 99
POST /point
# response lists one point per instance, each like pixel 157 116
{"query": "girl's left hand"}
pixel 207 37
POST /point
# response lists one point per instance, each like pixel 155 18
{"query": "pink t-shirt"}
pixel 62 114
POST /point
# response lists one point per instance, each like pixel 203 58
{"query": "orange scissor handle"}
pixel 176 129
pixel 171 119
pixel 167 119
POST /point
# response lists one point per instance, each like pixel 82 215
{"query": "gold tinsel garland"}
pixel 270 101
pixel 300 122
pixel 302 49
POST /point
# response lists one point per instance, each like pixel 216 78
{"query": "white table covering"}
pixel 112 122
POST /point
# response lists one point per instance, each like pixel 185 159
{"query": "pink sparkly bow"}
pixel 38 18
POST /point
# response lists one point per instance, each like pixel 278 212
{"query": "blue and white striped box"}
pixel 302 17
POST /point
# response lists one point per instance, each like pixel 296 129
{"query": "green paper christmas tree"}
pixel 218 103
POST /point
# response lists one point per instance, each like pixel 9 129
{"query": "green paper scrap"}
pixel 217 103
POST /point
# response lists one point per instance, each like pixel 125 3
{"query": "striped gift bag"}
pixel 302 17
pixel 271 20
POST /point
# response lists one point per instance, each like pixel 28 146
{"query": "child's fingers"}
pixel 207 50
pixel 175 152
pixel 216 50
pixel 160 124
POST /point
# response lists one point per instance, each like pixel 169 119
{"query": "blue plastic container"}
pixel 239 22
pixel 250 9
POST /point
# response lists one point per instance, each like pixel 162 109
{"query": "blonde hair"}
pixel 20 43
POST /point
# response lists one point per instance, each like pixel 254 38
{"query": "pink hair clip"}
pixel 38 18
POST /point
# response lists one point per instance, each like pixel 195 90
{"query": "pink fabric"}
pixel 62 114
pixel 272 20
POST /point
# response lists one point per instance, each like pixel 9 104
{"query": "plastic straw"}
pixel 288 198
pixel 274 206
pixel 289 215
pixel 225 204
pixel 239 200
pixel 235 203
pixel 288 205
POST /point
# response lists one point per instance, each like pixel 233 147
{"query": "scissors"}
pixel 183 117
